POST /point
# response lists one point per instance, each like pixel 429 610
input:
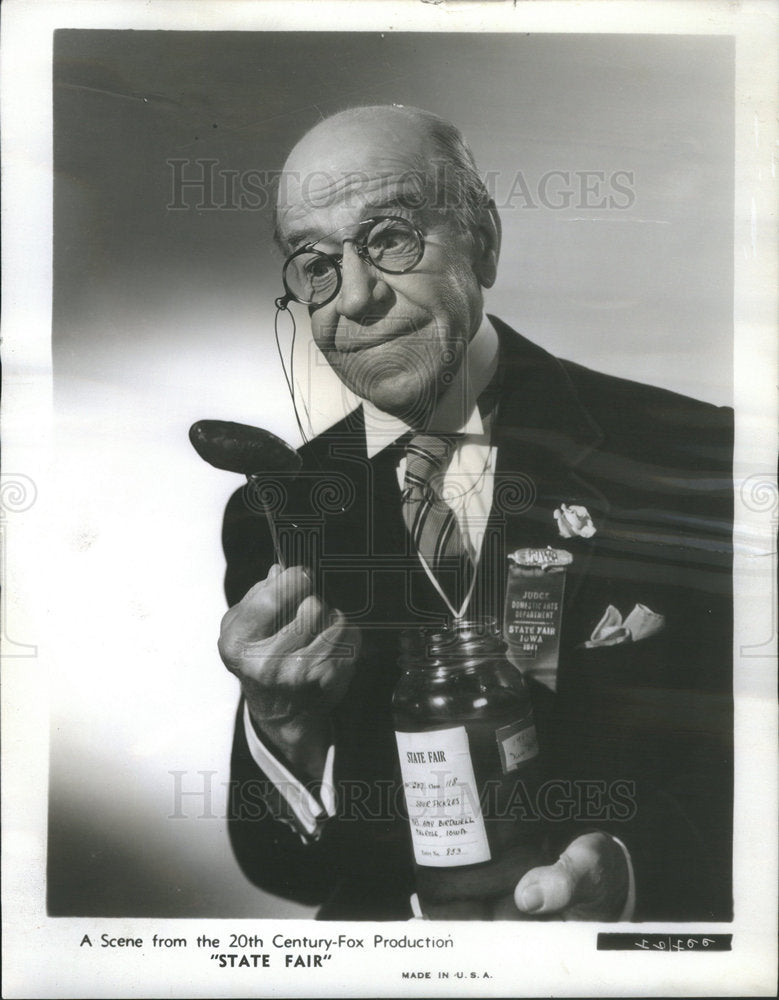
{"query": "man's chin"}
pixel 409 398
pixel 394 385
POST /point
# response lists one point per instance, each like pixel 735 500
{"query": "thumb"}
pixel 554 888
pixel 546 890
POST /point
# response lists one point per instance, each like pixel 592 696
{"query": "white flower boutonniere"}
pixel 574 521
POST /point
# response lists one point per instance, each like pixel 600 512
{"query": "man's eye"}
pixel 317 267
pixel 388 239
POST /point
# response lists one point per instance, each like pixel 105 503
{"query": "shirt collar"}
pixel 473 377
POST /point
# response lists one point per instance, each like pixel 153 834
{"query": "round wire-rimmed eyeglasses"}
pixel 391 244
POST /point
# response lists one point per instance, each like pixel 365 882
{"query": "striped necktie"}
pixel 431 523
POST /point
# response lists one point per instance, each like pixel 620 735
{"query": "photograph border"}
pixel 42 955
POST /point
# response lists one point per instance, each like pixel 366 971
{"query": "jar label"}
pixel 517 742
pixel 442 799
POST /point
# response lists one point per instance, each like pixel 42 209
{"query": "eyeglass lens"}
pixel 313 277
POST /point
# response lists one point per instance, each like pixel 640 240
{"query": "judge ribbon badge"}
pixel 534 610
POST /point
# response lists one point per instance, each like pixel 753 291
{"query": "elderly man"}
pixel 390 239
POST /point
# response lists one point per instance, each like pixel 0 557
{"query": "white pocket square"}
pixel 611 630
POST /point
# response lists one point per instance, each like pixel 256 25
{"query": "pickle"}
pixel 251 451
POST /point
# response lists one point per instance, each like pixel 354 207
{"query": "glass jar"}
pixel 469 765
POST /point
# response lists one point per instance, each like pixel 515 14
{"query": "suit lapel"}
pixel 544 436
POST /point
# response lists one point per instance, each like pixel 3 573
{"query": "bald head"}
pixel 364 127
pixel 385 151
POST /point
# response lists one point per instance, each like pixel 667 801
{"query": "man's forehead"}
pixel 314 205
pixel 351 164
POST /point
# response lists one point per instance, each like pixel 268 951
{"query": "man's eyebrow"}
pixel 299 238
pixel 394 205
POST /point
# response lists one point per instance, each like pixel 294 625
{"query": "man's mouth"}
pixel 365 340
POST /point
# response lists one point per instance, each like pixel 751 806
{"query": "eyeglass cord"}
pixel 289 374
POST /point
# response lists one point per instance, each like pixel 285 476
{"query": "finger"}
pixel 268 606
pixel 288 588
pixel 305 655
pixel 548 889
pixel 335 648
pixel 305 626
pixel 589 881
pixel 339 640
pixel 313 640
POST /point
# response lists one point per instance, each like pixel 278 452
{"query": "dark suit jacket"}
pixel 654 470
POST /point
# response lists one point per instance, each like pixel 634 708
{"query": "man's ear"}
pixel 487 245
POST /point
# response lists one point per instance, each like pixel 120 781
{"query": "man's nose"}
pixel 362 286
